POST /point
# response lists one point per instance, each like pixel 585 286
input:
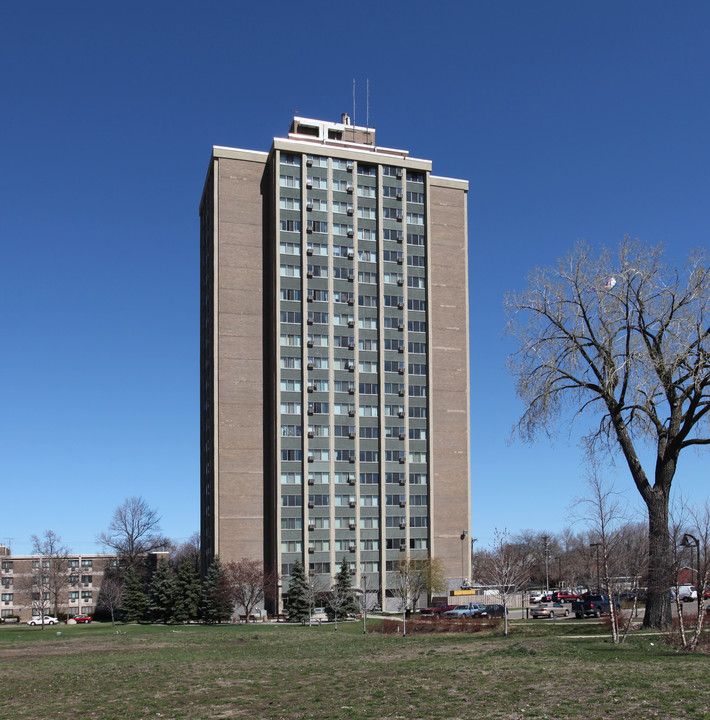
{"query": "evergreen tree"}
pixel 296 603
pixel 163 591
pixel 341 601
pixel 187 597
pixel 135 601
pixel 216 601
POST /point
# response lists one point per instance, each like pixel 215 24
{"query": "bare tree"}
pixel 54 566
pixel 188 551
pixel 698 539
pixel 507 569
pixel 416 576
pixel 628 339
pixel 604 511
pixel 134 532
pixel 247 582
pixel 111 595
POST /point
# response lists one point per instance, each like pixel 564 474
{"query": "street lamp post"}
pixel 691 541
pixel 463 547
pixel 597 546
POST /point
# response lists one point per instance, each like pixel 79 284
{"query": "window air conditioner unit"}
pixel 403 503
pixel 402 461
pixel 403 481
pixel 402 526
pixel 400 306
pixel 351 301
pixel 351 413
pixel 350 212
pixel 352 526
pixel 351 459
pixel 309 343
pixel 309 228
pixel 400 327
pixel 399 174
pixel 351 254
pixel 402 436
pixel 309 273
pixel 311 458
pixel 311 504
pixel 353 548
pixel 309 298
pixel 351 480
pixel 311 481
pixel 403 547
pixel 401 393
pixel 309 251
pixel 309 321
pixel 309 184
pixel 311 388
pixel 350 166
pixel 400 236
pixel 310 412
pixel 309 162
pixel 400 349
pixel 310 435
pixel 351 391
pixel 352 503
pixel 401 371
pixel 400 261
pixel 401 413
pixel 399 217
pixel 310 366
pixel 399 196
pixel 351 278
pixel 311 527
pixel 351 233
pixel 400 282
pixel 351 368
pixel 352 437
pixel 351 323
pixel 350 188
pixel 351 346
pixel 311 549
pixel 309 206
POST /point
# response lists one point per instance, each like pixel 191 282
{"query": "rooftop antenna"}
pixel 354 123
pixel 367 122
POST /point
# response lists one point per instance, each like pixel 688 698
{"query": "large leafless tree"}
pixel 134 531
pixel 627 338
pixel 52 575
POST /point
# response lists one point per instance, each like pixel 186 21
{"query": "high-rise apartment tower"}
pixel 334 357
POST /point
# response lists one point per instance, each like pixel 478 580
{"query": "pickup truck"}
pixel 592 605
pixel 437 608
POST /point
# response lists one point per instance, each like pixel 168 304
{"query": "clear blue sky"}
pixel 570 120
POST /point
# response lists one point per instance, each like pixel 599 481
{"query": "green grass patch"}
pixel 262 671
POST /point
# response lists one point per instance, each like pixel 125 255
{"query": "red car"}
pixel 82 618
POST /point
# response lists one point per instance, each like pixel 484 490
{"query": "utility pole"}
pixel 545 539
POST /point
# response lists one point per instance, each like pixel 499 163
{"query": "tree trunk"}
pixel 658 601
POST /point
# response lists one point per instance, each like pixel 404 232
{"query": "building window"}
pixel 291 408
pixel 291 501
pixel 291 431
pixel 289 181
pixel 292 455
pixel 318 183
pixel 290 340
pixel 291 294
pixel 291 363
pixel 289 159
pixel 291 523
pixel 287 203
pixel 87 563
pixel 317 248
pixel 290 248
pixel 369 500
pixel 290 271
pixel 319 478
pixel 367 191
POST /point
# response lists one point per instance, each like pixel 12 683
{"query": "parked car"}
pixel 594 605
pixel 464 611
pixel 489 611
pixel 48 620
pixel 537 597
pixel 549 610
pixel 686 593
pixel 438 608
pixel 563 596
pixel 82 618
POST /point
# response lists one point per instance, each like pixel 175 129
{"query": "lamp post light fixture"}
pixel 690 541
pixel 464 534
pixel 597 545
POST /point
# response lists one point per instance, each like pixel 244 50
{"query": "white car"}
pixel 48 620
pixel 686 593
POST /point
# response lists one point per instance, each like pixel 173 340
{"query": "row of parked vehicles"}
pixel 465 610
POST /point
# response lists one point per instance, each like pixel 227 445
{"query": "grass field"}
pixel 543 669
